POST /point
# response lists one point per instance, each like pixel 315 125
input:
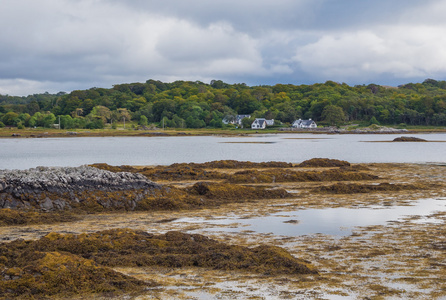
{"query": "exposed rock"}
pixel 408 139
pixel 47 204
pixel 54 188
pixel 378 129
pixel 63 180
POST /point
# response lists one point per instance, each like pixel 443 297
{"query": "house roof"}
pixel 260 121
pixel 304 122
pixel 307 122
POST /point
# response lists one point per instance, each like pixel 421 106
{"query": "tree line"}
pixel 187 104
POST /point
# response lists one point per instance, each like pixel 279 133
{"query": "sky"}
pixel 65 45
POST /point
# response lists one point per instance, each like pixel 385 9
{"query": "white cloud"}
pixel 403 51
pixel 23 87
pixel 77 44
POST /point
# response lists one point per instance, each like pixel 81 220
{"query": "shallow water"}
pixel 27 153
pixel 331 221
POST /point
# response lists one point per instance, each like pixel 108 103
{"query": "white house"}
pixel 259 123
pixel 239 118
pixel 304 124
pixel 269 122
pixel 235 120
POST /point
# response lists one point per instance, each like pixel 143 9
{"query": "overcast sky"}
pixel 63 45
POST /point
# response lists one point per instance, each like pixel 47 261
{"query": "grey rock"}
pixel 62 180
pixel 19 185
pixel 47 204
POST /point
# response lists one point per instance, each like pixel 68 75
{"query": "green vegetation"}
pixel 185 104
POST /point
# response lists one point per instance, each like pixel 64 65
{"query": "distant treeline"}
pixel 186 104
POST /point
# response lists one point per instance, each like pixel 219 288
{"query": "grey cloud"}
pixel 69 44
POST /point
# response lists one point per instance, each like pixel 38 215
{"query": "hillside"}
pixel 185 104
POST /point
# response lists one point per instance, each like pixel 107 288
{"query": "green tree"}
pixel 143 120
pixel 102 112
pixel 373 120
pixel 9 118
pixel 246 122
pixel 48 120
pixel 66 122
pixel 333 115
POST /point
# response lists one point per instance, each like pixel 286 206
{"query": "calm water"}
pixel 28 153
pixel 332 221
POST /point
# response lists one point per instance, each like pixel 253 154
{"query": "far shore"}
pixel 12 132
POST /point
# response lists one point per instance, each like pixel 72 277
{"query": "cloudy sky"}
pixel 63 45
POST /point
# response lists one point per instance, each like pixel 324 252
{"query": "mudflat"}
pixel 151 242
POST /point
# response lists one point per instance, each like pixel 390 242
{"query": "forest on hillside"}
pixel 187 104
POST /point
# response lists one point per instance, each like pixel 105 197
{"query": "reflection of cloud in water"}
pixel 332 221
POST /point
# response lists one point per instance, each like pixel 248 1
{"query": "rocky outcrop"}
pixel 408 139
pixel 54 188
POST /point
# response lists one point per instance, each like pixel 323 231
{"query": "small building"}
pixel 259 123
pixel 269 122
pixel 237 120
pixel 304 124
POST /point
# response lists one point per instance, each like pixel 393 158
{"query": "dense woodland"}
pixel 186 104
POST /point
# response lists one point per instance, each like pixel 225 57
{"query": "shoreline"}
pixel 56 133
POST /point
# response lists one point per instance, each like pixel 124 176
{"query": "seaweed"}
pixel 408 139
pixel 235 164
pixel 126 247
pixel 224 191
pixel 67 264
pixel 12 217
pixel 192 171
pixel 323 163
pixel 342 188
pixel 286 175
pixel 26 273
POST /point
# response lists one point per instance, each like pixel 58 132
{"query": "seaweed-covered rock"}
pixel 280 175
pixel 225 191
pixel 131 248
pixel 324 163
pixel 193 171
pixel 11 217
pixel 408 139
pixel 353 188
pixel 65 265
pixel 33 274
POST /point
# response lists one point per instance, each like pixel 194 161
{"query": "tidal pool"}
pixel 331 221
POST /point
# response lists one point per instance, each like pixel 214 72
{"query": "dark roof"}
pixel 260 121
pixel 307 122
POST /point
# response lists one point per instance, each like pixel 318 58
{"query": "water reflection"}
pixel 332 221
